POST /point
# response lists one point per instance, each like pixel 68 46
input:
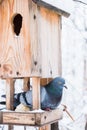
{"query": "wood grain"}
pixel 36 51
pixel 36 93
pixel 10 97
pixel 9 94
pixel 30 118
pixel 49 38
pixel 14 50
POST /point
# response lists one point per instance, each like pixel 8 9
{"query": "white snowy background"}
pixel 74 68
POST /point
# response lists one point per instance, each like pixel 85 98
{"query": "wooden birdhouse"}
pixel 30 34
pixel 30 46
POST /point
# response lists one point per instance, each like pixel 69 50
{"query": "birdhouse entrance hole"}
pixel 17 24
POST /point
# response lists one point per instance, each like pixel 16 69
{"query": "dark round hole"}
pixel 17 23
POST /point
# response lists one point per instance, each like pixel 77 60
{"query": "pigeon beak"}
pixel 66 87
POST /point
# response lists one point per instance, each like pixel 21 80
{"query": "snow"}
pixel 73 55
pixel 59 4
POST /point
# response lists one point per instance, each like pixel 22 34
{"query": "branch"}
pixel 80 2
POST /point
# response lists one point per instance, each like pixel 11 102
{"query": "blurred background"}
pixel 74 65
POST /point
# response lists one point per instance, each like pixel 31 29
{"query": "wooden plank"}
pixel 44 81
pixel 46 127
pixel 18 118
pixel 59 49
pixel 9 93
pixel 58 6
pixel 54 126
pixel 26 84
pixel 36 92
pixel 45 118
pixel 30 118
pixel 49 25
pixel 34 40
pixel 10 127
pixel 10 97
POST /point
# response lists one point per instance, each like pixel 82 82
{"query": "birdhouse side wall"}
pixel 50 40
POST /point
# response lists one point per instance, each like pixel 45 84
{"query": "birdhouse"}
pixel 30 46
pixel 30 35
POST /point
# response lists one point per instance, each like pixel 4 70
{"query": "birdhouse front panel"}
pixel 14 38
pixel 29 40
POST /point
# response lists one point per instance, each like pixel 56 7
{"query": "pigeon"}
pixel 50 94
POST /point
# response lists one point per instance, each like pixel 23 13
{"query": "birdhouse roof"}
pixel 59 6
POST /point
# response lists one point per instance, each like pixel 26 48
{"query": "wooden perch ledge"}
pixel 33 118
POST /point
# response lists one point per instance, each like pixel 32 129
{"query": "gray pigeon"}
pixel 51 95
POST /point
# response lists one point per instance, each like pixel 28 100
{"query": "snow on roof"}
pixel 60 6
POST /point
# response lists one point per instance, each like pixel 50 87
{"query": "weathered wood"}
pixel 9 93
pixel 44 81
pixel 10 127
pixel 33 50
pixel 26 84
pixel 36 92
pixel 14 50
pixel 26 87
pixel 10 97
pixel 18 118
pixel 49 25
pixel 46 127
pixel 34 40
pixel 58 7
pixel 46 117
pixel 30 118
pixel 37 47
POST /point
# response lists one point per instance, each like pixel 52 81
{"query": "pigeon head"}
pixel 55 87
